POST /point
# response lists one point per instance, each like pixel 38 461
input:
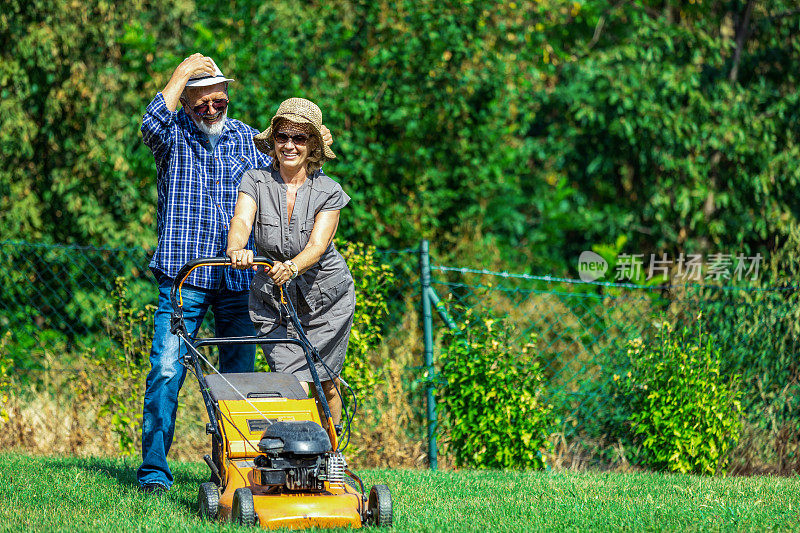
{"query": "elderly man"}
pixel 200 156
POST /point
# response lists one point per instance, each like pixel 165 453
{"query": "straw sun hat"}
pixel 299 111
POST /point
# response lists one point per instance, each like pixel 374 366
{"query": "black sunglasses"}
pixel 204 109
pixel 299 140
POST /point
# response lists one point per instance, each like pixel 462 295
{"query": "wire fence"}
pixel 54 301
pixel 582 333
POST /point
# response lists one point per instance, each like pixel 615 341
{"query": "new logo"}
pixel 591 266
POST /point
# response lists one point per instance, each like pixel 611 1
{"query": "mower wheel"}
pixel 208 500
pixel 243 510
pixel 380 506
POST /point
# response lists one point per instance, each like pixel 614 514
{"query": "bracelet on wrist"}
pixel 292 268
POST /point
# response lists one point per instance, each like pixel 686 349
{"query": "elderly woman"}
pixel 295 209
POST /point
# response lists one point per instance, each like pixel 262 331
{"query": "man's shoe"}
pixel 153 489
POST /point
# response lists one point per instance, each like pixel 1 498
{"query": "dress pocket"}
pixel 268 233
pixel 264 304
pixel 332 296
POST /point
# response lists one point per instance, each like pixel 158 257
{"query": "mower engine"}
pixel 297 455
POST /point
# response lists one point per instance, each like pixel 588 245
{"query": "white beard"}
pixel 214 129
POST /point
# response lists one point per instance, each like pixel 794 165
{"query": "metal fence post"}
pixel 427 325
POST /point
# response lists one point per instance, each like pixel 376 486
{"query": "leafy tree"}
pixel 74 80
pixel 529 129
pixel 677 131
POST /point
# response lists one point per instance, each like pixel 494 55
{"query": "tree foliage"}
pixel 72 94
pixel 662 140
pixel 537 128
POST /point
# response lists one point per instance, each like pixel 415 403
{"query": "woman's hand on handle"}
pixel 241 226
pixel 280 273
pixel 241 259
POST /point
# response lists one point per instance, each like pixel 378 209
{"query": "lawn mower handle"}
pixel 183 273
pixel 177 327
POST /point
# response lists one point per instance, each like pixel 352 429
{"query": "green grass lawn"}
pixel 72 494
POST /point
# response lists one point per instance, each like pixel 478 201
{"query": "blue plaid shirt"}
pixel 197 191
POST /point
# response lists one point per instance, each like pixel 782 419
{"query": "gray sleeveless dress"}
pixel 324 296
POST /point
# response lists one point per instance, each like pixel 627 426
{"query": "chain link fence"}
pixel 582 333
pixel 54 301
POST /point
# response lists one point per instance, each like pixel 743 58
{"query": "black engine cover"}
pixel 295 437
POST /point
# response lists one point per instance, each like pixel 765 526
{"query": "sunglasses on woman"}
pixel 299 140
pixel 204 109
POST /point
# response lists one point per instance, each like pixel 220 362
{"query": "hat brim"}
pixel 205 82
pixel 261 140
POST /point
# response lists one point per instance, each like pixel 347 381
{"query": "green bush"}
pixel 124 365
pixel 372 280
pixel 685 412
pixel 492 397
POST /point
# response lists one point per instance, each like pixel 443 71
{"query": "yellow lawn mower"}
pixel 276 458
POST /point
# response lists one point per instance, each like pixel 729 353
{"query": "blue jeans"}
pixel 167 374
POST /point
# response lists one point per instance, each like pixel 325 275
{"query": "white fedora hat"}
pixel 205 79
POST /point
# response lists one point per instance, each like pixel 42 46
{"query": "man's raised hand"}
pixel 195 64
